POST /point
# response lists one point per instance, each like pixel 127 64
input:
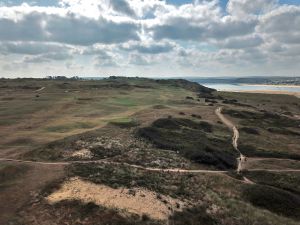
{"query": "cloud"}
pixel 105 59
pixel 246 7
pixel 242 42
pixel 195 38
pixel 139 60
pixel 47 57
pixel 200 23
pixel 282 24
pixel 84 31
pixel 31 48
pixel 69 28
pixel 123 7
pixel 29 28
pixel 148 47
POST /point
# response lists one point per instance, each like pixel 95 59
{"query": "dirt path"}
pixel 171 170
pixel 42 88
pixel 235 138
pixel 242 158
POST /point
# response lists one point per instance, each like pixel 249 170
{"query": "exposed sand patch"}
pixel 139 201
pixel 294 93
pixel 83 154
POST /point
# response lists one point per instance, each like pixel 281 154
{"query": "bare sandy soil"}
pixel 271 85
pixel 297 94
pixel 82 154
pixel 138 201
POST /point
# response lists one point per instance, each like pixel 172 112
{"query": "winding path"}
pixel 235 138
pixel 241 159
pixel 171 170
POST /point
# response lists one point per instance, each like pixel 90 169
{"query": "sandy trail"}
pixel 242 159
pixel 235 137
pixel 167 170
pixel 170 170
pixel 42 88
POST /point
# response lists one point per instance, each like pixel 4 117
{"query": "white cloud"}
pixel 129 36
pixel 242 42
pixel 149 47
pixel 31 48
pixel 282 24
pixel 245 7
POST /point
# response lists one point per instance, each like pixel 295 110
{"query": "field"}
pixel 65 143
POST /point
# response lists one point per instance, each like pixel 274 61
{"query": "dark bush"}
pixel 101 153
pixel 286 181
pixel 262 119
pixel 278 130
pixel 196 116
pixel 250 130
pixel 189 98
pixel 192 216
pixel 276 200
pixel 190 140
pixel 210 101
pixel 252 151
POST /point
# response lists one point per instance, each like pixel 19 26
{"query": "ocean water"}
pixel 243 87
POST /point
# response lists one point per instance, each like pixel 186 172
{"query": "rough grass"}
pixel 125 122
pixel 9 173
pixel 65 107
pixel 54 150
pixel 69 127
pixel 21 142
pixel 191 140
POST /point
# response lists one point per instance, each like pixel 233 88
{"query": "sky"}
pixel 160 38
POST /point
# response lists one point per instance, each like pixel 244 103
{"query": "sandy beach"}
pixel 294 93
pixel 272 85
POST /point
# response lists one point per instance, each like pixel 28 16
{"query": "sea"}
pixel 246 87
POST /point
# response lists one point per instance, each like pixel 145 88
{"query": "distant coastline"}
pixel 256 88
pixel 272 85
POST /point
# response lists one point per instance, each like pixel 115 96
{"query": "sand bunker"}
pixel 137 200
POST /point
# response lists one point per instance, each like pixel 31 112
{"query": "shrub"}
pixel 250 130
pixel 190 140
pixel 276 200
pixel 252 151
pixel 191 216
